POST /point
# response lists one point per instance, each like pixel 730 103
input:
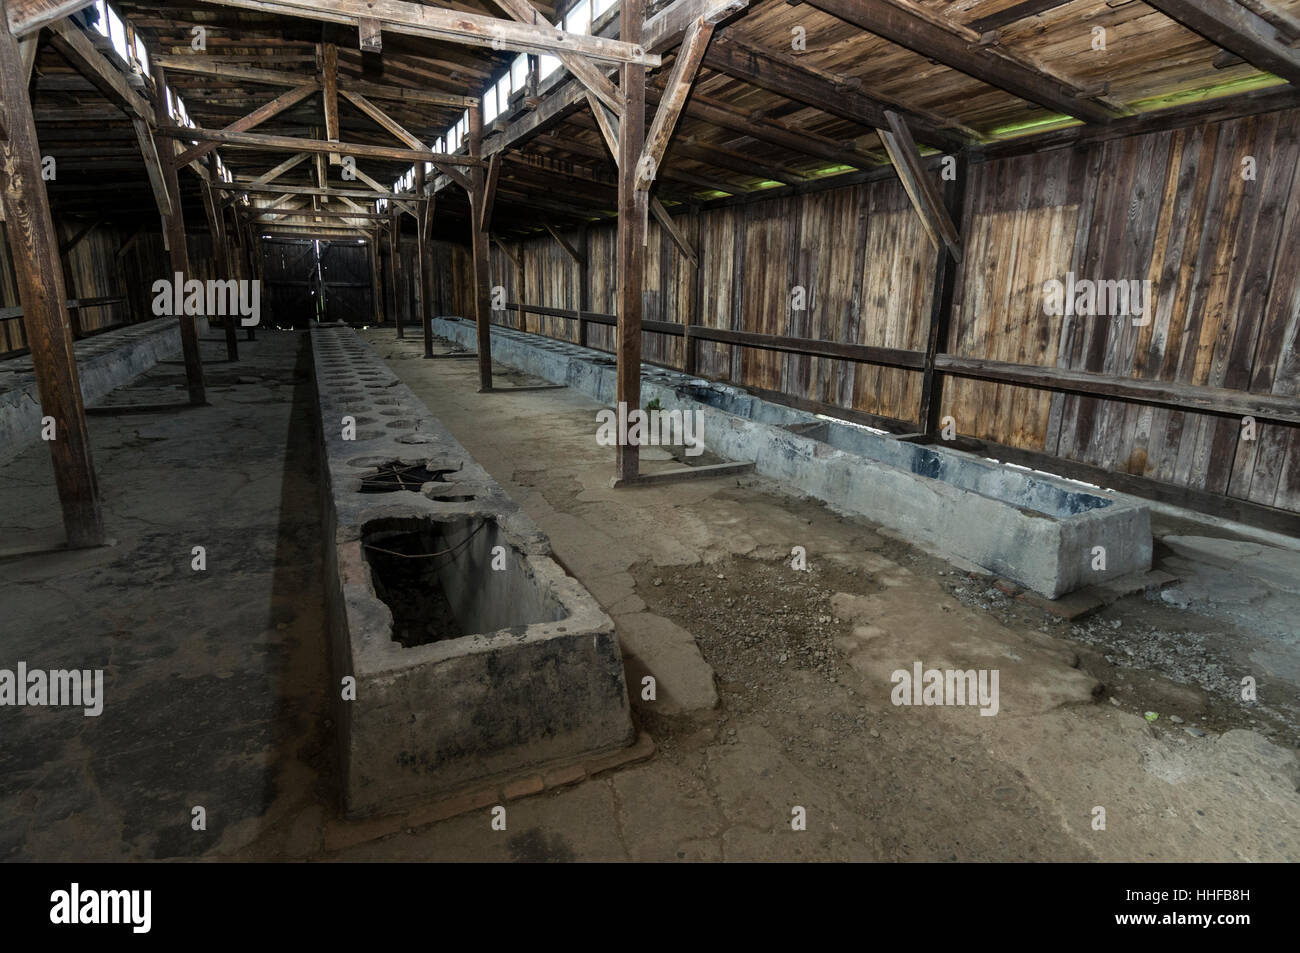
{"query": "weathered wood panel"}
pixel 1220 249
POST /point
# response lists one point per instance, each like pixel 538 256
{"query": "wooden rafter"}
pixel 569 250
pixel 241 186
pixel 398 131
pixel 524 12
pixel 1014 13
pixel 153 166
pixel 919 186
pixel 258 116
pixel 677 88
pixel 483 207
pixel 279 170
pixel 798 141
pixel 610 128
pixel 28 16
pixel 107 78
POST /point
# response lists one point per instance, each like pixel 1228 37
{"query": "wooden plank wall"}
pixel 1222 253
pixel 96 270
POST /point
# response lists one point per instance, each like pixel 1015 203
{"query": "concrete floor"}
pixel 773 685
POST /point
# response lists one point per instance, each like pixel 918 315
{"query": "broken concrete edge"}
pixel 980 511
pixel 343 833
pixel 1276 567
pixel 683 473
pixel 105 362
pixel 1092 599
pixel 537 678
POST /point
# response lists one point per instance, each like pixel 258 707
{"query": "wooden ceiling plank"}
pixel 785 77
pixel 912 30
pixel 1239 30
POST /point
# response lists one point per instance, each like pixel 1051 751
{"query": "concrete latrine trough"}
pixel 1046 534
pixel 475 656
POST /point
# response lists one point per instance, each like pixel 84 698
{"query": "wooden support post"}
pixel 521 291
pixel 431 309
pixel 521 288
pixel 690 345
pixel 34 247
pixel 479 246
pixel 70 285
pixel 254 250
pixel 946 275
pixel 376 285
pixel 633 209
pixel 395 257
pixel 584 283
pixel 421 291
pixel 220 262
pixel 174 234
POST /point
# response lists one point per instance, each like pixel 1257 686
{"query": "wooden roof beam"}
pixel 1014 14
pixel 437 23
pixel 1239 30
pixel 721 158
pixel 596 81
pixel 28 16
pixel 661 33
pixel 399 132
pixel 225 69
pixel 249 140
pixel 81 54
pixel 243 185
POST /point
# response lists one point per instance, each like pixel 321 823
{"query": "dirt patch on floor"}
pixel 769 632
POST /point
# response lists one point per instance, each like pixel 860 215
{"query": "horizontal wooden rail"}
pixel 74 304
pixel 1191 398
pixel 862 353
pixel 1188 397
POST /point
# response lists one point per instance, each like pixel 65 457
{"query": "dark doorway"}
pixel 308 280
